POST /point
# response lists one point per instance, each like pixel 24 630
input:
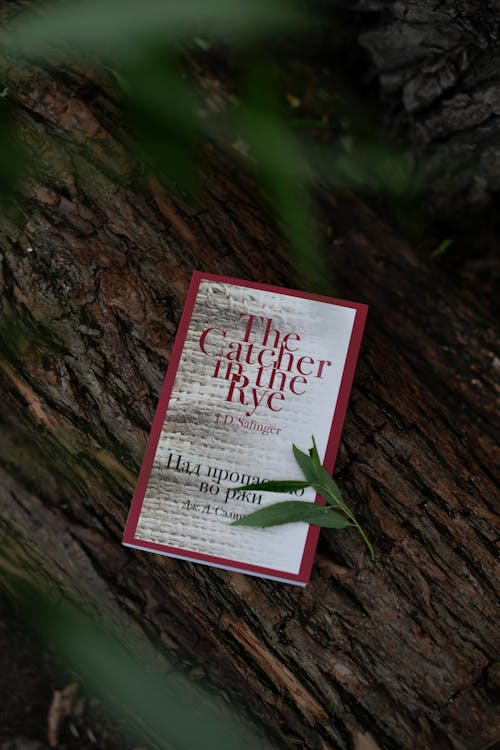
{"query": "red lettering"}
pixel 251 319
pixel 237 385
pixel 304 361
pixel 203 338
pixel 322 363
pixel 268 332
pixel 261 357
pixel 296 337
pixel 297 379
pixel 275 395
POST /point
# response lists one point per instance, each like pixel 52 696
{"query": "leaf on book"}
pixel 325 478
pixel 292 511
pixel 315 459
pixel 321 476
pixel 285 485
pixel 306 464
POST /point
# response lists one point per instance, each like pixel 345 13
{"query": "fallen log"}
pixel 95 266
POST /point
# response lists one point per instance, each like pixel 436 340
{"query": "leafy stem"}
pixel 325 490
pixel 335 514
pixel 363 535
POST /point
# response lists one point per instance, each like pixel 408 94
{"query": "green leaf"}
pixel 121 81
pixel 305 463
pixel 282 170
pixel 292 511
pixel 313 452
pixel 324 479
pixel 167 708
pixel 162 104
pixel 369 165
pixel 441 248
pixel 287 485
pixel 14 157
pixel 115 27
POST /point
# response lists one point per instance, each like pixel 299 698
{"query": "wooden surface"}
pixel 399 654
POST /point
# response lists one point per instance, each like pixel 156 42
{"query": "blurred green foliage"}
pixel 117 29
pixel 13 156
pixel 281 167
pixel 161 703
pixel 149 48
pixel 441 248
pixel 162 106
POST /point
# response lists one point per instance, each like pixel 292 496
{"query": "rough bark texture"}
pixel 438 64
pixel 398 654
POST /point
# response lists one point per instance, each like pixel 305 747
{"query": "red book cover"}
pixel 254 369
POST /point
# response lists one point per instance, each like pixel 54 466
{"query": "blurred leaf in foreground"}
pixel 13 157
pixel 110 28
pixel 441 248
pixel 166 707
pixel 365 165
pixel 170 119
pixel 162 106
pixel 283 171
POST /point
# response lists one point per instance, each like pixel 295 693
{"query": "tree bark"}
pixel 438 64
pixel 398 654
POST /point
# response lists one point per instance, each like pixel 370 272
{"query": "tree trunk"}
pixel 398 654
pixel 438 64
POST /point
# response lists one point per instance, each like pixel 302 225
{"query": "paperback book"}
pixel 254 370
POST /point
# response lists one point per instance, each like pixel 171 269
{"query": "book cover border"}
pixel 129 538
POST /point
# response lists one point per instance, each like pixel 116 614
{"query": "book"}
pixel 254 369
